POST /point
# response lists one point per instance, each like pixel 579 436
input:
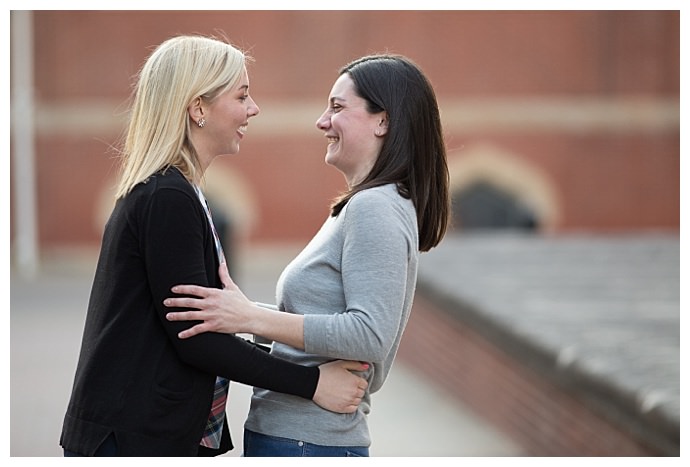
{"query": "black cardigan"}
pixel 135 378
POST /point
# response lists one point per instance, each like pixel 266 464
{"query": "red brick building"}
pixel 565 120
pixel 573 115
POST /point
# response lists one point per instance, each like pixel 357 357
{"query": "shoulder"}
pixel 382 219
pixel 168 178
pixel 376 195
pixel 381 206
pixel 164 191
pixel 164 180
pixel 382 197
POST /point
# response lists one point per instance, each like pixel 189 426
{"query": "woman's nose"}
pixel 253 108
pixel 324 122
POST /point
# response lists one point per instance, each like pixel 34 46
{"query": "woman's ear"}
pixel 382 127
pixel 196 110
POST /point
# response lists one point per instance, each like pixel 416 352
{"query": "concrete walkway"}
pixel 602 312
pixel 410 416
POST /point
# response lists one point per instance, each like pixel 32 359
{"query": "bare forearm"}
pixel 278 326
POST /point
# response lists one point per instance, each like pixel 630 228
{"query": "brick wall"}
pixel 544 418
pixel 587 98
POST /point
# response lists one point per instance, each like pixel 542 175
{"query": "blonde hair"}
pixel 179 70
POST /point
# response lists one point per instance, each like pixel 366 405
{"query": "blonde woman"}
pixel 139 390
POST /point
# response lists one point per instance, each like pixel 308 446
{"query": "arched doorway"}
pixel 483 205
pixel 494 189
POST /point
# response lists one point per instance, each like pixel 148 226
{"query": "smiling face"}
pixel 354 135
pixel 226 118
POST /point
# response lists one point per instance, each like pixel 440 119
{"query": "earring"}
pixel 377 132
pixel 201 122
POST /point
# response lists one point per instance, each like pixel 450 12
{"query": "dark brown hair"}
pixel 413 155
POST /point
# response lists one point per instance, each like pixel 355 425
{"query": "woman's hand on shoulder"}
pixel 225 310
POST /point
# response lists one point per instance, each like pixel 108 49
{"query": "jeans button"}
pixel 300 444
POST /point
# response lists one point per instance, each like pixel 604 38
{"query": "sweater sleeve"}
pixel 377 245
pixel 176 238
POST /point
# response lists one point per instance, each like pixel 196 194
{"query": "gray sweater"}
pixel 354 283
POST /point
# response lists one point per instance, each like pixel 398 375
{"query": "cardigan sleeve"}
pixel 178 245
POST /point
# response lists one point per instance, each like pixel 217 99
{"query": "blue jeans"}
pixel 107 449
pixel 258 445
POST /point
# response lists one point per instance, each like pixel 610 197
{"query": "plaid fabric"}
pixel 214 425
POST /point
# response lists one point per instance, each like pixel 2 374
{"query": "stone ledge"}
pixel 529 296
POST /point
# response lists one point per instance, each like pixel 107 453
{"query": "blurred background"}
pixel 563 138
